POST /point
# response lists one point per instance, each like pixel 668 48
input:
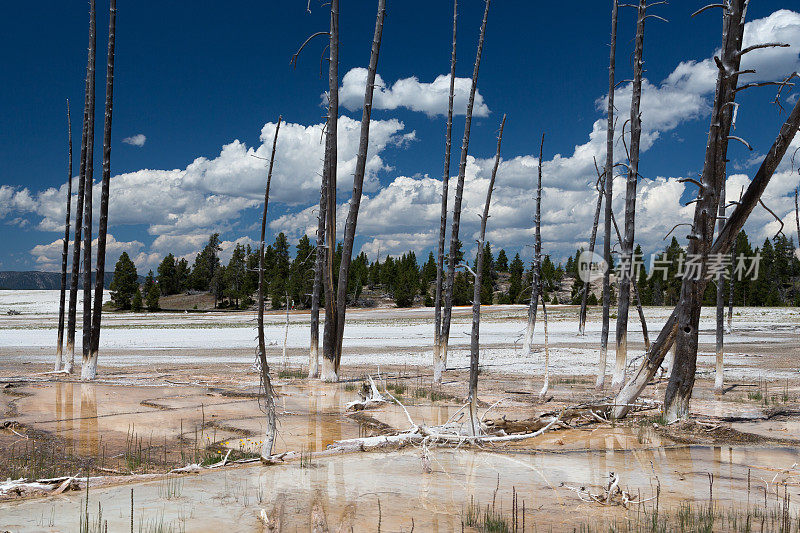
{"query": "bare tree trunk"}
pixel 474 353
pixel 637 301
pixel 269 393
pixel 319 266
pixel 725 240
pixel 587 286
pixel 89 368
pixel 719 380
pixel 79 208
pixel 609 185
pixel 536 286
pixel 329 368
pixel 438 364
pixel 358 183
pixel 627 260
pixel 797 217
pixel 65 252
pixel 681 382
pixel 286 334
pixel 462 170
pixel 87 199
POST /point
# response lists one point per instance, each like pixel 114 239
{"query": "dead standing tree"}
pixel 438 366
pixel 536 286
pixel 329 367
pixel 89 367
pixel 358 183
pixel 87 199
pixel 719 379
pixel 627 259
pixel 79 206
pixel 462 169
pixel 609 183
pixel 269 394
pixel 681 327
pixel 65 252
pixel 474 352
pixel 600 185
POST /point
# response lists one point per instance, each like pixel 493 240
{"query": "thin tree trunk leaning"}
pixel 719 380
pixel 462 170
pixel 636 300
pixel 329 368
pixel 730 279
pixel 269 394
pixel 627 259
pixel 474 352
pixel 725 240
pixel 587 285
pixel 536 286
pixel 78 239
pixel 89 368
pixel 358 183
pixel 87 199
pixel 681 382
pixel 65 252
pixel 319 265
pixel 546 384
pixel 797 217
pixel 609 185
pixel 438 364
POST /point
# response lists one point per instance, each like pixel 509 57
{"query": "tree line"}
pixel 289 277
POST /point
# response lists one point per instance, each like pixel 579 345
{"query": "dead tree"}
pixel 329 367
pixel 474 352
pixel 438 366
pixel 79 207
pixel 87 199
pixel 587 286
pixel 726 238
pixel 730 281
pixel 269 393
pixel 546 384
pixel 720 285
pixel 536 286
pixel 681 382
pixel 609 186
pixel 462 170
pixel 627 260
pixel 358 183
pixel 89 367
pixel 797 217
pixel 65 252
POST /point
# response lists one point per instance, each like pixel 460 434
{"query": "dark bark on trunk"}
pixel 626 259
pixel 358 183
pixel 438 367
pixel 536 286
pixel 269 394
pixel 329 368
pixel 725 240
pixel 474 352
pixel 609 186
pixel 587 284
pixel 462 169
pixel 87 199
pixel 681 382
pixel 89 368
pixel 79 208
pixel 719 379
pixel 65 252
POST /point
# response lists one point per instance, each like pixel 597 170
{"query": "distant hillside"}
pixel 35 280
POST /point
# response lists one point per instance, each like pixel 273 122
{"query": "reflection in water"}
pixel 89 438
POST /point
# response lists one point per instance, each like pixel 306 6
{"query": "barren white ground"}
pixel 386 337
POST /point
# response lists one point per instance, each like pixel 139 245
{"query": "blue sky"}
pixel 204 85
